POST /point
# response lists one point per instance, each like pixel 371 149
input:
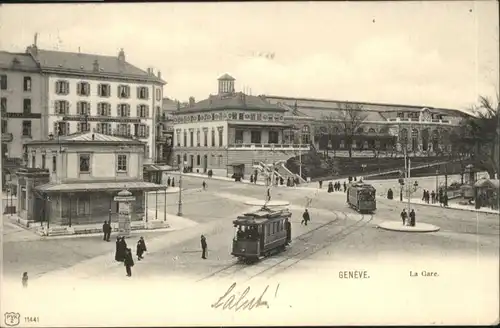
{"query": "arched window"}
pixel 425 139
pixel 360 130
pixel 372 130
pixel 435 140
pixel 414 139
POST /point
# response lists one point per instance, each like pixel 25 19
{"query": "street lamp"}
pixel 179 209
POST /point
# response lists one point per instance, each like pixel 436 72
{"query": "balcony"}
pixel 120 119
pixel 7 137
pixel 416 120
pixel 270 147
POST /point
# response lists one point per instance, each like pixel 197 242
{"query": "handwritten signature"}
pixel 229 300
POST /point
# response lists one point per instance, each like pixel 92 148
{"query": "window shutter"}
pixel 138 111
pixel 67 128
pixel 87 89
pixel 128 129
pixel 79 108
pixel 108 125
pixel 55 130
pixel 147 131
pixel 99 127
pixel 147 92
pixel 79 127
pixel 57 107
pixel 56 85
pixel 138 92
pixel 128 110
pixel 147 111
pixel 99 90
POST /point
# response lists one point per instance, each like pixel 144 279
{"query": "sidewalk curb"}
pixel 449 208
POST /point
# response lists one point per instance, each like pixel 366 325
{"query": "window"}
pixel 26 106
pixel 142 93
pixel 83 127
pixel 61 128
pixel 83 108
pixel 54 163
pixel 26 128
pixel 104 128
pixel 33 161
pixel 121 164
pixel 123 110
pixel 123 91
pixel 273 137
pixel 84 163
pixel 103 109
pixel 191 138
pixel 143 111
pixel 240 116
pixel 104 90
pixel 213 137
pixel 83 89
pixel 123 129
pixel 61 107
pixel 3 104
pixel 44 158
pixel 205 138
pixel 220 137
pixel 185 139
pixel 27 83
pixel 238 137
pixel 198 160
pixel 147 152
pixel 83 205
pixel 143 131
pixel 198 138
pixel 305 135
pixel 158 94
pixel 255 137
pixel 3 82
pixel 178 139
pixel 62 87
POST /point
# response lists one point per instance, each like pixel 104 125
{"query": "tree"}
pixel 330 127
pixel 481 134
pixel 349 118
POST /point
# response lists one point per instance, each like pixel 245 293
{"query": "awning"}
pixel 101 186
pixel 153 167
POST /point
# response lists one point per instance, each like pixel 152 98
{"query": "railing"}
pixel 416 120
pixel 83 118
pixel 269 146
pixel 7 137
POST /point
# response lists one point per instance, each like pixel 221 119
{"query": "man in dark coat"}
pixel 139 250
pixel 320 184
pixel 105 230
pixel 433 196
pixel 288 226
pixel 345 186
pixel 118 256
pixel 412 218
pixel 404 215
pixel 173 182
pixel 203 247
pixel 128 261
pixel 108 231
pixel 305 217
pixel 168 181
pixel 330 187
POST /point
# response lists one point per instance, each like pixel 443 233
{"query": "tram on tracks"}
pixel 361 197
pixel 261 233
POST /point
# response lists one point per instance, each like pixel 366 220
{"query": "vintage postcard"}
pixel 238 163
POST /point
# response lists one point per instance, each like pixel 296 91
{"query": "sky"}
pixel 440 54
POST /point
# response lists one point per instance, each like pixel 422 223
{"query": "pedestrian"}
pixel 282 181
pixel 203 247
pixel 268 194
pixel 173 182
pixel 168 181
pixel 108 231
pixel 305 217
pixel 288 227
pixel 251 178
pixel 404 215
pixel 345 186
pixel 25 280
pixel 105 230
pixel 143 244
pixel 128 261
pixel 390 194
pixel 320 184
pixel 139 250
pixel 412 218
pixel 204 184
pixel 445 200
pixel 118 254
pixel 330 187
pixel 433 197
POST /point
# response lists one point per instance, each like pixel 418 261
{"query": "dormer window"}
pixel 123 91
pixel 104 90
pixel 62 87
pixel 142 93
pixel 83 89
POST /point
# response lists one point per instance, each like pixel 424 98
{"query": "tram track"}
pixel 237 266
pixel 289 262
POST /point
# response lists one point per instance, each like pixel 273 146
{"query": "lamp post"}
pixel 179 210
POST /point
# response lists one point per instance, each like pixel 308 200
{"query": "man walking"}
pixel 203 247
pixel 128 262
pixel 404 215
pixel 305 217
pixel 106 229
pixel 204 184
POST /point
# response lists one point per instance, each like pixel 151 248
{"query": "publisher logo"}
pixel 12 318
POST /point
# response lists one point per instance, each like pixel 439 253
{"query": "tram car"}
pixel 261 233
pixel 361 197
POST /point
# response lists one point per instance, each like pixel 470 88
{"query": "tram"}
pixel 261 233
pixel 361 197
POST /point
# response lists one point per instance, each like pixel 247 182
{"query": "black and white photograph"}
pixel 250 163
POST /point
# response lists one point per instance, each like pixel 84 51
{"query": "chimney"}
pixel 150 71
pixel 191 101
pixel 121 55
pixel 159 75
pixel 96 65
pixel 178 105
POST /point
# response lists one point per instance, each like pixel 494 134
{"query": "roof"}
pixel 75 62
pixel 226 77
pixel 325 104
pixel 24 61
pixel 487 183
pixel 87 137
pixel 237 100
pixel 94 186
